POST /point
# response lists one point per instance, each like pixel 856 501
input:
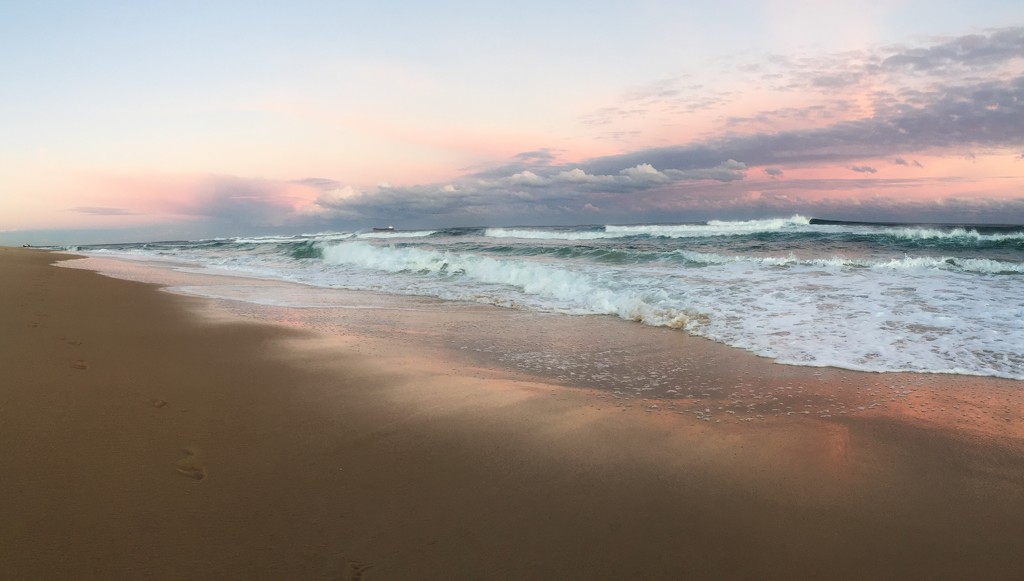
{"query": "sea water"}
pixel 870 297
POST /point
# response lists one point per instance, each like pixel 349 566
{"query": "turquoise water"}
pixel 873 297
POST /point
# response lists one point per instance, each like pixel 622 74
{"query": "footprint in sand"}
pixel 354 570
pixel 190 467
pixel 80 364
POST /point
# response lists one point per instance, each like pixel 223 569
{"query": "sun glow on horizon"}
pixel 803 101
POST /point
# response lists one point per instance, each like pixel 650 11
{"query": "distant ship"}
pixel 387 229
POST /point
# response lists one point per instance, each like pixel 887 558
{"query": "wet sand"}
pixel 149 435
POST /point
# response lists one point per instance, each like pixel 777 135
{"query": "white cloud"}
pixel 645 172
pixel 335 196
pixel 526 178
pixel 578 176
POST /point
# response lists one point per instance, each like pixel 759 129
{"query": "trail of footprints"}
pixel 78 363
pixel 189 466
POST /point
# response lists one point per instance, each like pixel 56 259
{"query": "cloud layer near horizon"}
pixel 959 98
pixel 931 132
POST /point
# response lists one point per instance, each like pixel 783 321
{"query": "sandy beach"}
pixel 147 435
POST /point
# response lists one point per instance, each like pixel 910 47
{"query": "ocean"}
pixel 862 296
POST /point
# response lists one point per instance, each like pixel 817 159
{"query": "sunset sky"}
pixel 129 121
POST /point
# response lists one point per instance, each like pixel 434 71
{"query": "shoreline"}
pixel 618 360
pixel 158 435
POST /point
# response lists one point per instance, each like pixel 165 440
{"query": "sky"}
pixel 143 120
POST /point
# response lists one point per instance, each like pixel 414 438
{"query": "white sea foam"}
pixel 885 316
pixel 712 228
pixel 974 265
pixel 318 237
pixel 396 234
pixel 321 237
pixel 577 290
pixel 954 234
pixel 548 234
pixel 260 239
pixel 793 224
pixel 873 310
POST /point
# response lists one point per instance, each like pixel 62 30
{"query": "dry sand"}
pixel 148 435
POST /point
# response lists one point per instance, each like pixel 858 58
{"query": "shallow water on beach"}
pixel 656 370
pixel 936 299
